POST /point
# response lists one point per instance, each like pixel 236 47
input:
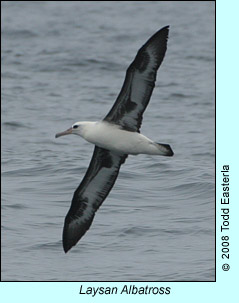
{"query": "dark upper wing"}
pixel 94 188
pixel 139 83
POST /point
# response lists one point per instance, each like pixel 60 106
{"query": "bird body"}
pixel 112 137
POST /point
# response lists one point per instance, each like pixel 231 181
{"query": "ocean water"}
pixel 64 62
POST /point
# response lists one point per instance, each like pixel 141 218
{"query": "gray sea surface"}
pixel 65 61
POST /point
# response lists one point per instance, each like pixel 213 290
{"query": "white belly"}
pixel 111 137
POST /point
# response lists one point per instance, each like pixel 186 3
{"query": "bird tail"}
pixel 164 149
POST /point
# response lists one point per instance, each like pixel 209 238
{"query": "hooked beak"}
pixel 66 132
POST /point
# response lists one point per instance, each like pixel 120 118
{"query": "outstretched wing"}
pixel 94 188
pixel 139 83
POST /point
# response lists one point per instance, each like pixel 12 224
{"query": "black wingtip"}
pixel 66 249
pixel 159 40
pixel 66 240
pixel 73 232
pixel 69 240
pixel 164 29
pixel 66 246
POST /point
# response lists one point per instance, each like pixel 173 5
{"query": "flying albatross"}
pixel 115 137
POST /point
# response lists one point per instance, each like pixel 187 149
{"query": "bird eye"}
pixel 75 126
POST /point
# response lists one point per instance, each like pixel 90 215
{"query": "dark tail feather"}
pixel 165 149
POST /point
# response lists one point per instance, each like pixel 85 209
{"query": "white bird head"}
pixel 75 129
